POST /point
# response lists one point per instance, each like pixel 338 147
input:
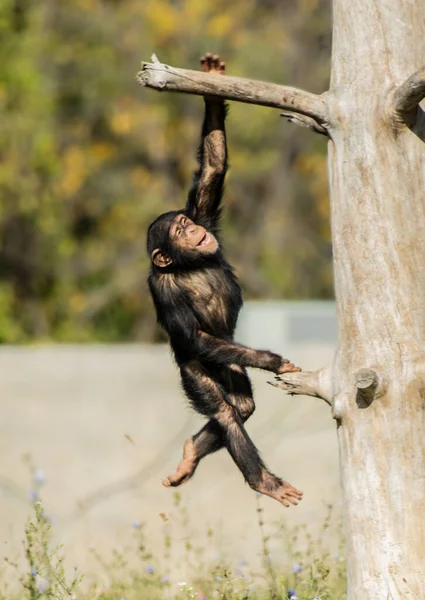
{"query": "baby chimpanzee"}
pixel 197 299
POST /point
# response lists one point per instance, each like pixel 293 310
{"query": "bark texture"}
pixel 377 185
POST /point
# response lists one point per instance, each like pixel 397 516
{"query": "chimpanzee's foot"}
pixel 186 468
pixel 287 367
pixel 282 491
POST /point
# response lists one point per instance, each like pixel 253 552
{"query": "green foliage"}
pixel 310 570
pixel 45 577
pixel 88 158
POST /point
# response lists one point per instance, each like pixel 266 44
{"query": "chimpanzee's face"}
pixel 176 239
pixel 187 236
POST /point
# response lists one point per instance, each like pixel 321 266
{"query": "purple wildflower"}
pixel 33 495
pixel 297 568
pixel 39 477
pixel 150 569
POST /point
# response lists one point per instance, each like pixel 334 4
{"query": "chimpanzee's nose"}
pixel 191 229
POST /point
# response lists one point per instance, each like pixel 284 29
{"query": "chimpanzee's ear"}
pixel 160 259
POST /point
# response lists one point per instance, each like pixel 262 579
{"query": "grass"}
pixel 311 571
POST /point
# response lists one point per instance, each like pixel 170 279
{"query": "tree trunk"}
pixel 377 184
pixel 376 384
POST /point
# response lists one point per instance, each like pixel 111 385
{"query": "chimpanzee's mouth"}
pixel 205 240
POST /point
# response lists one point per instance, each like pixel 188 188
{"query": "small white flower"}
pixel 43 585
pixel 182 584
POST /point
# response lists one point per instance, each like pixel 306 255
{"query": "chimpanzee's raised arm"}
pixel 223 352
pixel 203 204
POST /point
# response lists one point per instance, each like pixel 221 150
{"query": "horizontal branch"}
pixel 306 383
pixel 163 77
pixel 407 96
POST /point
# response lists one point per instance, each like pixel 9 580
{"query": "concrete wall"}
pixel 106 423
pixel 281 325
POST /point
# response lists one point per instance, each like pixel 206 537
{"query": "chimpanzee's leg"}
pixel 209 398
pixel 237 386
pixel 209 439
pixel 237 389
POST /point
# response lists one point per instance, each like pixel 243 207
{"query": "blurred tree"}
pixel 87 159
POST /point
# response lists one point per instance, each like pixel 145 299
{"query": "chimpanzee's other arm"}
pixel 223 352
pixel 207 188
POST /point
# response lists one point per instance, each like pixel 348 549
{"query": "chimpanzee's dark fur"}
pixel 197 299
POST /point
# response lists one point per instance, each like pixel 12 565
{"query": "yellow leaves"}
pixel 121 122
pixel 11 331
pixel 194 12
pixel 249 163
pixel 168 20
pixel 220 25
pixel 48 224
pixel 76 129
pixel 100 152
pixel 128 114
pixel 308 6
pixel 76 302
pixel 140 177
pixel 120 221
pixel 313 166
pixel 78 162
pixel 87 5
pixel 162 17
pixel 74 171
pixel 3 94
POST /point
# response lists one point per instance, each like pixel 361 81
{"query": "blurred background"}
pixel 88 159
